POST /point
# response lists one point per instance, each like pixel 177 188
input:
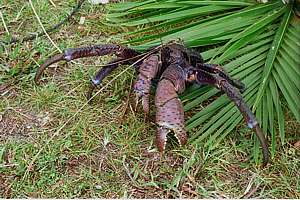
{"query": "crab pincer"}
pixel 169 109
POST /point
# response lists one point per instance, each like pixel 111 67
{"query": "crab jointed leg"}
pixel 234 95
pixel 103 72
pixel 96 50
pixel 175 66
pixel 216 69
pixel 146 72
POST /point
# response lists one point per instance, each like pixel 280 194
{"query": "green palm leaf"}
pixel 257 43
pixel 273 52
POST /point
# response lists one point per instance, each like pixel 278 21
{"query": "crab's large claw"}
pixel 169 109
pixel 227 85
pixel 96 50
pixel 170 119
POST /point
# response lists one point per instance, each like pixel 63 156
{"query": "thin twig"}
pixel 128 98
pixel 4 24
pixel 20 113
pixel 43 28
pixel 127 170
pixel 9 165
pixel 49 30
pixel 249 186
pixel 251 192
pixel 53 4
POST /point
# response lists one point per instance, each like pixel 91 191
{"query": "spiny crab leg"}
pixel 96 50
pixel 234 95
pixel 147 71
pixel 216 69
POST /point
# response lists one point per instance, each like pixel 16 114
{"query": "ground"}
pixel 54 144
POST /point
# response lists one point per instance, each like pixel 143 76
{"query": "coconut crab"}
pixel 175 66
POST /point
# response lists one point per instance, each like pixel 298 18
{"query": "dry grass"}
pixel 100 152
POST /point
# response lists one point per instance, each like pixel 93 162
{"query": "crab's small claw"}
pixel 148 70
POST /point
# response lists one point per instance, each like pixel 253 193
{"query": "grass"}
pixel 106 150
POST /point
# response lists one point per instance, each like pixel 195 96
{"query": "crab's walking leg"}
pixel 235 96
pixel 216 69
pixel 103 72
pixel 146 72
pixel 96 50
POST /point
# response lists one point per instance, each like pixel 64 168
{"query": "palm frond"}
pixel 256 43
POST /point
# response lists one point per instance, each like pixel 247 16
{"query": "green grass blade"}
pixel 270 119
pixel 223 3
pixel 128 5
pixel 213 144
pixel 256 152
pixel 199 100
pixel 204 10
pixel 220 118
pixel 280 115
pixel 211 109
pixel 265 114
pixel 194 92
pixel 290 72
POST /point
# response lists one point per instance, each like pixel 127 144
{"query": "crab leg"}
pixel 235 96
pixel 216 69
pixel 103 72
pixel 148 70
pixel 96 50
pixel 194 57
